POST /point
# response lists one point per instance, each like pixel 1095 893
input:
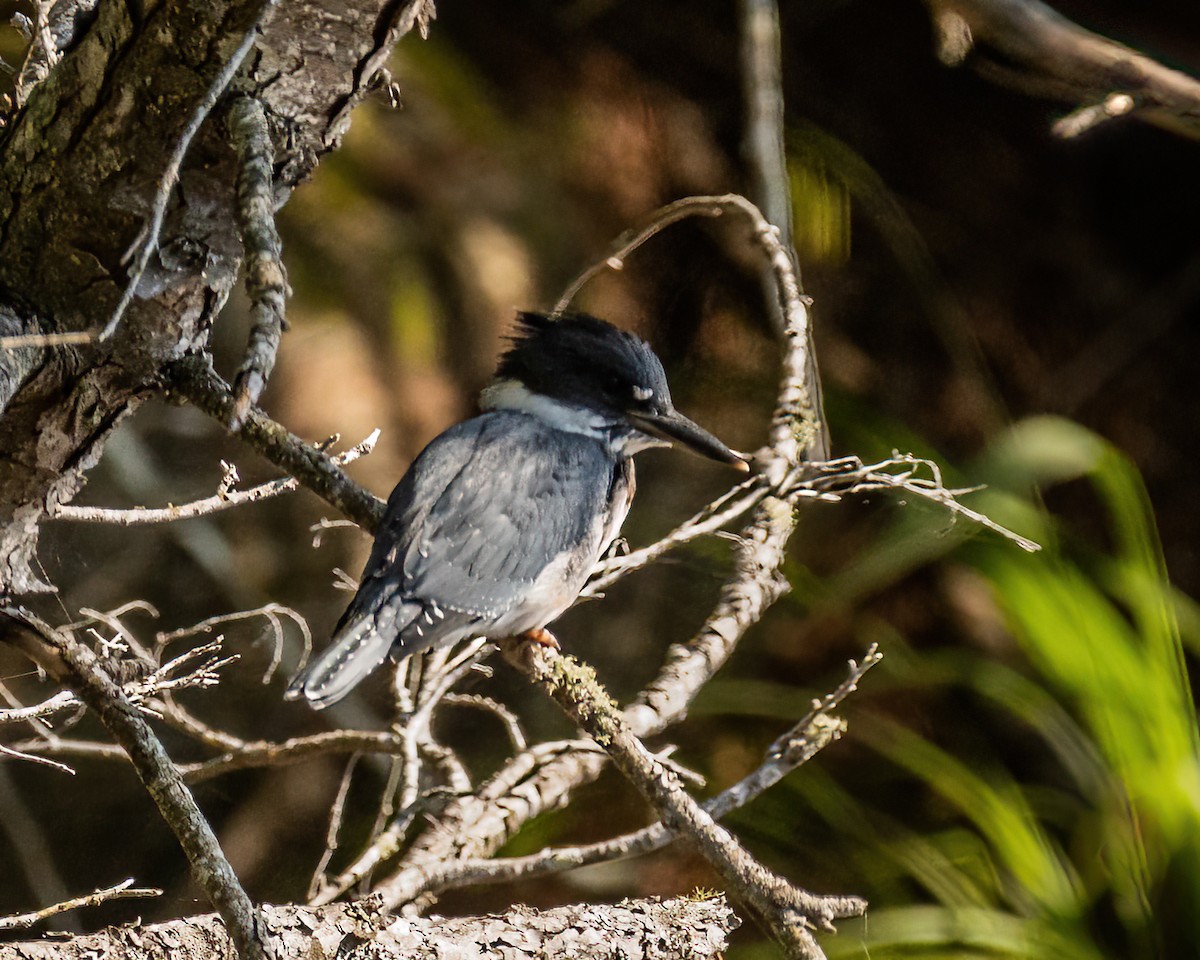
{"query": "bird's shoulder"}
pixel 500 446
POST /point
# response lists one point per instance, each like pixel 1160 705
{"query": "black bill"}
pixel 675 426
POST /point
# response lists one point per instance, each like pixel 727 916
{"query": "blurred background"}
pixel 1020 775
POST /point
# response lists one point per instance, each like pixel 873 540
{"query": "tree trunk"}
pixel 80 166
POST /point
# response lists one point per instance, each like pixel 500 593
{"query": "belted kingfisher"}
pixel 494 528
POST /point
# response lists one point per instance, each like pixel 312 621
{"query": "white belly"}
pixel 558 586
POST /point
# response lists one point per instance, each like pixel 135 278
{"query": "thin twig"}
pixel 64 700
pixel 725 509
pixel 265 753
pixel 835 479
pixel 41 55
pixel 23 340
pixel 271 612
pixel 224 499
pixel 184 721
pixel 510 721
pixel 421 686
pixel 383 816
pixel 630 240
pixel 121 891
pixel 799 423
pixel 766 156
pixel 16 754
pixel 194 378
pixel 162 681
pixel 335 825
pixel 799 745
pixel 762 82
pixel 484 805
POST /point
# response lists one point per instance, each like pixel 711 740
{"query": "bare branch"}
pixel 724 510
pixel 46 339
pixel 1055 57
pixel 510 721
pixel 121 891
pixel 180 673
pixel 848 475
pixel 762 145
pixel 223 499
pixel 787 910
pixel 266 278
pixel 630 240
pixel 42 53
pixel 804 740
pixel 272 612
pixel 471 825
pixel 15 754
pixel 80 667
pixel 65 747
pixel 264 753
pixel 63 700
pixel 798 423
pixel 335 825
pixel 194 379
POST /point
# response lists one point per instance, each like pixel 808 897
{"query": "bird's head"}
pixel 583 374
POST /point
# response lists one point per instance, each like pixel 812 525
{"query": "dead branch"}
pixel 1048 55
pixel 652 929
pixel 789 912
pixel 469 825
pixel 78 666
pixel 225 497
pixel 64 700
pixel 125 890
pixel 194 379
pixel 266 277
pixel 798 421
pixel 247 754
pixel 716 516
pixel 797 746
pixel 762 92
pixel 15 753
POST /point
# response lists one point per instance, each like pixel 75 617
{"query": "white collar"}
pixel 620 438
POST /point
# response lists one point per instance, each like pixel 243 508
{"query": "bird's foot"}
pixel 541 636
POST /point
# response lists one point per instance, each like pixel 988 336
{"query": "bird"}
pixel 497 523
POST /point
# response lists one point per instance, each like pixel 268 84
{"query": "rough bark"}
pixel 80 166
pixel 630 930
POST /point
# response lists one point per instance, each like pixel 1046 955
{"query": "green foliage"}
pixel 1065 821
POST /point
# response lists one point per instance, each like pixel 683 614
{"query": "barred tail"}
pixel 354 653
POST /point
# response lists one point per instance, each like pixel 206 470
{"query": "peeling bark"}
pixel 631 930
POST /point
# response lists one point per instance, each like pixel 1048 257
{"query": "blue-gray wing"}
pixel 484 509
